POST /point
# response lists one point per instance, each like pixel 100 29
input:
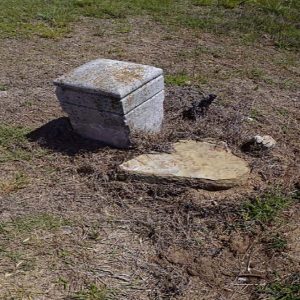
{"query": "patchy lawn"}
pixel 251 19
pixel 71 229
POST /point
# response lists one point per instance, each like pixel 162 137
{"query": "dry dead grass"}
pixel 76 230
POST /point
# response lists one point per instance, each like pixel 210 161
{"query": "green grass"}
pixel 14 144
pixel 276 243
pixel 255 114
pixel 178 79
pixel 289 289
pixel 25 263
pixel 92 293
pixel 15 234
pixel 19 181
pixel 16 230
pixel 31 223
pixel 251 19
pixel 266 208
pixel 3 87
pixel 51 19
pixel 10 135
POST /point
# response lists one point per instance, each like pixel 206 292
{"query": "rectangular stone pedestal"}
pixel 107 100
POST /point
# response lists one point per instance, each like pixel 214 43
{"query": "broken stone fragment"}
pixel 200 164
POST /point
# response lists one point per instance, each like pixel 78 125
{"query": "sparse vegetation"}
pixel 178 79
pixel 23 263
pixel 14 144
pixel 19 181
pixel 264 209
pixel 276 243
pixel 288 289
pixel 251 18
pixel 255 114
pixel 29 224
pixel 3 88
pixel 71 228
pixel 92 293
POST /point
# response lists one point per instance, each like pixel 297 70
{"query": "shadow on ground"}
pixel 59 136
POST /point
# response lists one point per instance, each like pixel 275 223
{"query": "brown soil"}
pixel 147 241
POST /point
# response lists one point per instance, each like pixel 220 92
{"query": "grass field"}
pixel 251 18
pixel 71 229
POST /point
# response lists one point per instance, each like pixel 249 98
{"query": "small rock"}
pixel 67 230
pixel 265 141
pixel 3 94
pixel 258 143
pixel 242 279
pixel 249 119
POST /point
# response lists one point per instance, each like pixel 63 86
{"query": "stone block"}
pixel 114 129
pixel 205 165
pixel 107 100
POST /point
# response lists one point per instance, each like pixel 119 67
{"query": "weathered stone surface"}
pixel 148 116
pixel 200 164
pixel 115 129
pixel 106 100
pixel 109 104
pixel 108 77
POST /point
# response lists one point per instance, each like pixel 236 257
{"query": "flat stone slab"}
pixel 200 164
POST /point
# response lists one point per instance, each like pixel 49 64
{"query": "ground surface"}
pixel 70 229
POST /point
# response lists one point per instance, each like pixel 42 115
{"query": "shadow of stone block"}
pixel 59 136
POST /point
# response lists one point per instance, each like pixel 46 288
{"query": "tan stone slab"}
pixel 202 164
